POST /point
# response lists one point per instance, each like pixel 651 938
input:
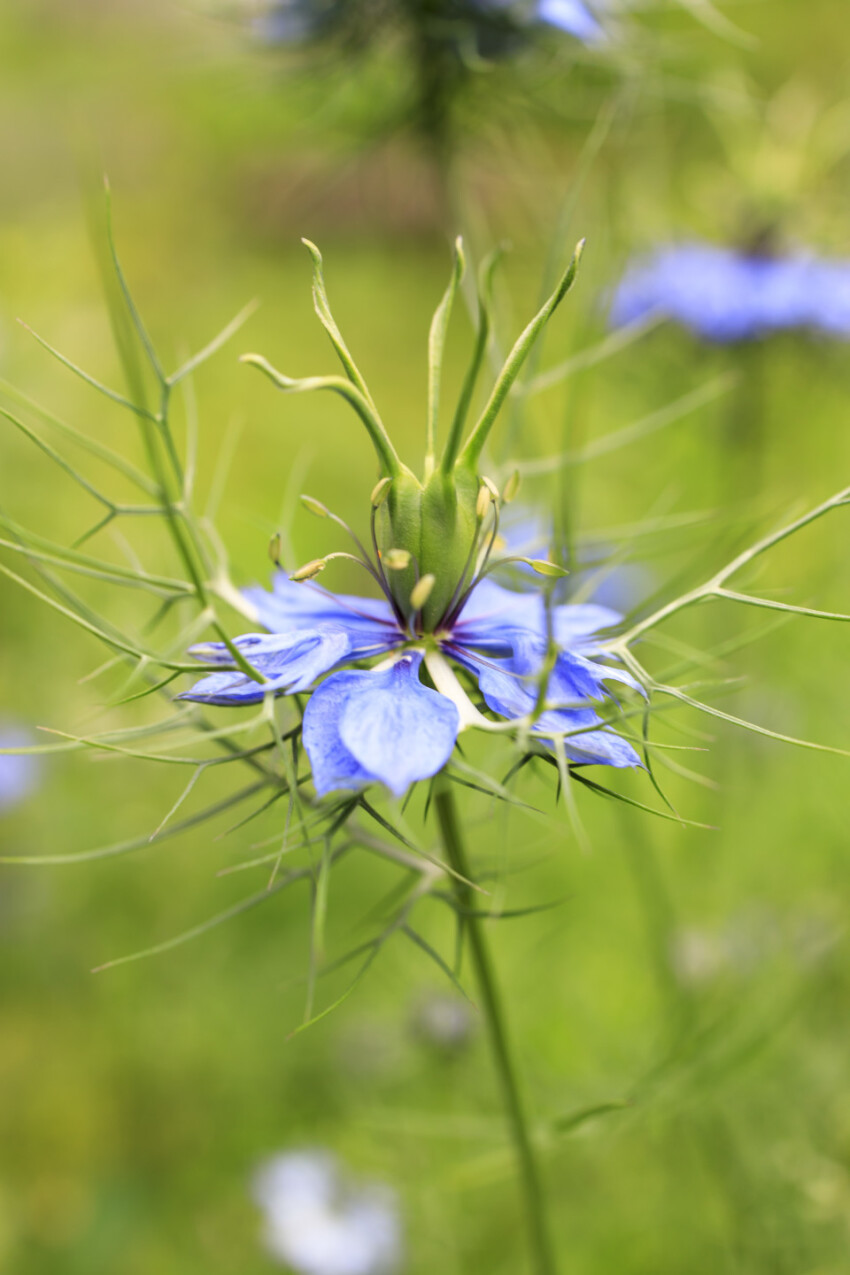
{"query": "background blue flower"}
pixel 723 294
pixel 19 775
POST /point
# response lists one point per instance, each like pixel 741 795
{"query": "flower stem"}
pixel 538 1226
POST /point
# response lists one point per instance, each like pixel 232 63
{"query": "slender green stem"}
pixel 538 1225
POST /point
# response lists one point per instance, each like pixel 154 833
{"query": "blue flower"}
pixel 725 295
pixel 498 24
pixel 573 17
pixel 596 573
pixel 19 773
pixel 383 723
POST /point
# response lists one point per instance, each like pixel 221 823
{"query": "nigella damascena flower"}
pixel 384 723
pixel 727 295
pixel 319 1224
pixel 372 716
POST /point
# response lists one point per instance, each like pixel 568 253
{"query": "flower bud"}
pixel 421 592
pixel 309 570
pixel 314 506
pixel 274 548
pixel 395 559
pixel 491 487
pixel 511 487
pixel 380 492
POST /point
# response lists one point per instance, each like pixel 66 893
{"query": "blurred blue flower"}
pixel 296 21
pixel 19 774
pixel 497 23
pixel 383 723
pixel 318 1224
pixel 573 17
pixel 726 295
pixel 619 586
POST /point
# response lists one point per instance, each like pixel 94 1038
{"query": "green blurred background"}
pixel 699 977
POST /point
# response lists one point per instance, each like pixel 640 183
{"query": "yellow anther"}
pixel 511 487
pixel 483 503
pixel 314 506
pixel 309 570
pixel 380 492
pixel 395 559
pixel 421 592
pixel 544 567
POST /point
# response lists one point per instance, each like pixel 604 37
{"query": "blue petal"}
pixel 600 747
pixel 333 766
pixel 492 610
pixel 490 607
pixel 509 689
pixel 574 624
pixel 365 726
pixel 369 621
pixel 289 661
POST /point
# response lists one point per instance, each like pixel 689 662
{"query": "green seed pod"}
pixel 437 524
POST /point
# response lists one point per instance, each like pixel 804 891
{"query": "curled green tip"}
pixel 281 381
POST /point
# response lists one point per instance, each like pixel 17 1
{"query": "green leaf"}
pixel 471 453
pixel 197 930
pixel 485 303
pixel 215 344
pixel 429 951
pixel 90 380
pixel 575 1119
pixel 134 843
pixel 436 347
pixel 323 310
pixel 354 396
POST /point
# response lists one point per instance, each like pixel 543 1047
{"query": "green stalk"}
pixel 538 1226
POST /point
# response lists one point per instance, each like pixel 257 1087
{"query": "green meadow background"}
pixel 693 984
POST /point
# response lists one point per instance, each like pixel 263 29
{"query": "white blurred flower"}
pixel 445 1021
pixel 320 1224
pixel 745 942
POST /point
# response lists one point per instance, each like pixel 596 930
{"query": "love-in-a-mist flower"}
pixel 319 1223
pixel 391 679
pixel 724 294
